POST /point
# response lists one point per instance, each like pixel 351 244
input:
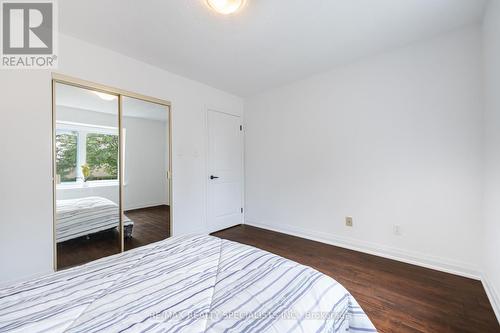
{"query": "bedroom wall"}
pixel 491 240
pixel 70 114
pixel 390 140
pixel 109 192
pixel 146 163
pixel 25 104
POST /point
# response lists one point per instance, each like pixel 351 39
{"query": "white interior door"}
pixel 225 171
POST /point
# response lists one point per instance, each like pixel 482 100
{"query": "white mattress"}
pixel 185 284
pixel 85 216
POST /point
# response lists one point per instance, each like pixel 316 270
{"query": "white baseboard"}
pixel 146 206
pixel 492 294
pixel 419 259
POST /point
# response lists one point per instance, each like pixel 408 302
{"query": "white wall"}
pixel 110 192
pixel 491 251
pixel 146 163
pixel 75 115
pixel 394 139
pixel 25 174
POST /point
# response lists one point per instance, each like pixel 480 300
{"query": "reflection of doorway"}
pixel 225 170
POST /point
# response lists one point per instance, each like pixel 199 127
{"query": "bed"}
pixel 85 216
pixel 183 284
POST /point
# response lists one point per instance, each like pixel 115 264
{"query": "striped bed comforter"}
pixel 85 216
pixel 183 284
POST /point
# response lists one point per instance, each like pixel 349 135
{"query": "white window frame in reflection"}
pixel 82 130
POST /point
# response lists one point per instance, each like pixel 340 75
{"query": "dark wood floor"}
pixel 150 225
pixel 397 297
pixel 82 250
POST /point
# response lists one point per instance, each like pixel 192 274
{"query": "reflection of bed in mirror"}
pixel 108 164
pixel 86 216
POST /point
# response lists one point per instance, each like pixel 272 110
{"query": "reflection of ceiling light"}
pixel 225 7
pixel 106 97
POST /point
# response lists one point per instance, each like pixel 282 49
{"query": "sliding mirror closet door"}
pixel 146 185
pixel 86 170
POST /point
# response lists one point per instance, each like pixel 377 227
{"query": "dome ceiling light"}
pixel 225 7
pixel 104 96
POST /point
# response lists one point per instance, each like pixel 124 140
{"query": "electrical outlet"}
pixel 348 221
pixel 396 229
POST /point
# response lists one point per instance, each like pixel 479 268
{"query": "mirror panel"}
pixel 146 195
pixel 87 187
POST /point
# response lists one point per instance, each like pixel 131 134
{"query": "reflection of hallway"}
pixel 150 225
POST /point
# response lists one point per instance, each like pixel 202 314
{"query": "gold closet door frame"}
pixel 119 93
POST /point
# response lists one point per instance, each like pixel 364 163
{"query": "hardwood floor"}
pixel 82 249
pixel 150 225
pixel 397 297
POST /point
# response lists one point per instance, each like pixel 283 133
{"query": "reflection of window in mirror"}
pixel 87 221
pixel 96 215
pixel 66 155
pixel 86 153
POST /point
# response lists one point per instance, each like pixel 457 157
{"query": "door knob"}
pixel 213 177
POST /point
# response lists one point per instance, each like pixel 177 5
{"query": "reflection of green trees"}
pixel 102 156
pixel 66 151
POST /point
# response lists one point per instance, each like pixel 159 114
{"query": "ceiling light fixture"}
pixel 225 7
pixel 104 96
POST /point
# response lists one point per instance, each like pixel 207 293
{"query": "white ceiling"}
pixel 270 42
pixel 84 99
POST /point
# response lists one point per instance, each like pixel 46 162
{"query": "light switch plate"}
pixel 397 230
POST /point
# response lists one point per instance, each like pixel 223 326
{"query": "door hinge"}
pixel 241 127
pixel 241 210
